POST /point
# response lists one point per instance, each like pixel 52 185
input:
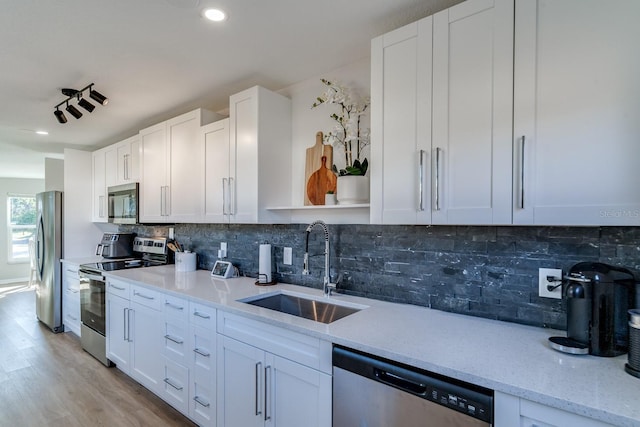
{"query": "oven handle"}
pixel 83 274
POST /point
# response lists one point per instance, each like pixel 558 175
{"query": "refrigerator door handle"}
pixel 40 248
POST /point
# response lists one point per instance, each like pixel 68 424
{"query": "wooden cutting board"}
pixel 314 162
pixel 320 182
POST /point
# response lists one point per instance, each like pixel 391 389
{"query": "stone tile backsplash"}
pixel 489 271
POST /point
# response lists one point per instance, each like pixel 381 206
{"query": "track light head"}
pixel 86 104
pixel 60 116
pixel 73 111
pixel 98 97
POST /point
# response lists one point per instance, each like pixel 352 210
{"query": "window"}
pixel 21 226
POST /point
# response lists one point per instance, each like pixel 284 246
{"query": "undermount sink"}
pixel 308 308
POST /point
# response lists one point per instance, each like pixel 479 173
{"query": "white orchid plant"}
pixel 347 133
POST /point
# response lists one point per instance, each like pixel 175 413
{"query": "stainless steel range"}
pixel 149 252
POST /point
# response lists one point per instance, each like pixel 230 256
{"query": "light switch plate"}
pixel 287 256
pixel 543 273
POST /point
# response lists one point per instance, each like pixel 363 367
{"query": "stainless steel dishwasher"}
pixel 373 392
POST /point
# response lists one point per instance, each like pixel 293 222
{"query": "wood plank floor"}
pixel 46 379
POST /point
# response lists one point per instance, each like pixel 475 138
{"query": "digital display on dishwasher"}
pixel 459 403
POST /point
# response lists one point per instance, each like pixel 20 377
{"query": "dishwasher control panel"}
pixel 459 403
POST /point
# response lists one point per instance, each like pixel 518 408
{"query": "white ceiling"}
pixel 155 59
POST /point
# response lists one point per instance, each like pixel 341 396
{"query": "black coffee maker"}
pixel 598 297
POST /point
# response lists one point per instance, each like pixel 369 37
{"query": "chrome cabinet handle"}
pixel 267 370
pixel 177 307
pixel 167 202
pixel 198 400
pixel 161 201
pixel 177 387
pixel 124 323
pixel 421 180
pixel 232 197
pixel 224 196
pixel 101 206
pixel 201 315
pixel 522 158
pixel 72 317
pixel 201 352
pixel 138 294
pixel 257 406
pixel 174 339
pixel 437 179
pixel 116 287
pixel 125 172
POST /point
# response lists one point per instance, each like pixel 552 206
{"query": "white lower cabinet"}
pixel 261 382
pixel 134 331
pixel 513 411
pixel 71 298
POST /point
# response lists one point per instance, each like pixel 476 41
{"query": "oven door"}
pixel 92 301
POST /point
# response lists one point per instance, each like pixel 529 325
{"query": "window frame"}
pixel 10 227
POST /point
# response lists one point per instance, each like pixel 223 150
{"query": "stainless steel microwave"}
pixel 123 203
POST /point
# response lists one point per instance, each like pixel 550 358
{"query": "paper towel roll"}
pixel 264 264
pixel 185 261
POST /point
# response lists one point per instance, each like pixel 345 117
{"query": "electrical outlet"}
pixel 287 256
pixel 543 273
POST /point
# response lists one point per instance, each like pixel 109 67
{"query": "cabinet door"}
pixel 118 331
pixel 296 395
pixel 203 376
pixel 99 194
pixel 472 113
pixel 401 125
pixel 215 140
pixel 111 166
pixel 71 298
pixel 146 347
pixel 128 152
pixel 243 165
pixel 240 384
pixel 576 112
pixel 153 187
pixel 184 203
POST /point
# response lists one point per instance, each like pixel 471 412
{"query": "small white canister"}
pixel 185 261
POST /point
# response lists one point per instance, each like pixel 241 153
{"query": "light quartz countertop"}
pixel 502 356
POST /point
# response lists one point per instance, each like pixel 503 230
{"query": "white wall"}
pixel 53 174
pixel 80 235
pixel 13 272
pixel 307 121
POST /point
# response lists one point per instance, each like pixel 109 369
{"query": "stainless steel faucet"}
pixel 327 286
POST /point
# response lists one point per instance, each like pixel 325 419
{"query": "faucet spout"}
pixel 326 285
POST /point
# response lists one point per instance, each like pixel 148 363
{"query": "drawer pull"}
pixel 201 352
pixel 170 305
pixel 202 315
pixel 138 294
pixel 73 290
pixel 174 339
pixel 201 402
pixel 72 317
pixel 177 387
pixel 116 287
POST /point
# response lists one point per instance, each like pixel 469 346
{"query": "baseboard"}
pixel 18 280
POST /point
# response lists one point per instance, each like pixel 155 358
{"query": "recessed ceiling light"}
pixel 215 15
pixel 42 132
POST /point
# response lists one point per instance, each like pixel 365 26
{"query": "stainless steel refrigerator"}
pixel 48 252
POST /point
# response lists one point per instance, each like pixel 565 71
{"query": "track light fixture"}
pixel 84 103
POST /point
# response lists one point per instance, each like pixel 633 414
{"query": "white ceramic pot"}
pixel 353 189
pixel 329 199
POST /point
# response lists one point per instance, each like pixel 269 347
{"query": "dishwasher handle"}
pixel 400 382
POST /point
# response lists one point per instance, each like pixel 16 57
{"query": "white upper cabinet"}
pixel 216 154
pixel 401 125
pixel 99 190
pixel 441 118
pixel 259 156
pixel 128 158
pixel 577 103
pixel 171 171
pixel 472 113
